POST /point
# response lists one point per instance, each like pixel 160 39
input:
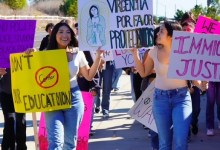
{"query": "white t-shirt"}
pixel 79 60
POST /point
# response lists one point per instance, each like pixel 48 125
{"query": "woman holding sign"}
pixel 62 125
pixel 172 107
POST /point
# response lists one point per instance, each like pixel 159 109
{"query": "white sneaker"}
pixel 210 132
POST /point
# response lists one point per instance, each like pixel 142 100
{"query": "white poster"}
pixel 107 55
pixel 115 24
pixel 124 58
pixel 195 56
pixel 142 109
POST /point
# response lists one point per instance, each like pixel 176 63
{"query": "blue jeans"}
pixel 62 125
pixel 213 96
pixel 172 110
pixel 132 87
pixel 97 100
pixel 115 78
pixel 107 86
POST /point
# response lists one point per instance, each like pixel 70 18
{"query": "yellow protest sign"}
pixel 40 81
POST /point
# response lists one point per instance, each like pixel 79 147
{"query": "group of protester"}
pixel 175 107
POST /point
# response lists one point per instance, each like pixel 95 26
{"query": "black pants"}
pixel 137 85
pixel 14 133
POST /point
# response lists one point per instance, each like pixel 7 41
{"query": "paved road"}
pixel 38 37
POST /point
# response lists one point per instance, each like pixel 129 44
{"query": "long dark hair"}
pixel 156 30
pixel 53 42
pixel 171 26
pixel 90 14
pixel 187 17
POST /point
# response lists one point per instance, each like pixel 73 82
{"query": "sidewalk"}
pixel 120 132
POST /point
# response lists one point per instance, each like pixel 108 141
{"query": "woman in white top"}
pixel 62 125
pixel 172 106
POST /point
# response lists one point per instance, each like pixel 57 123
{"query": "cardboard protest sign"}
pixel 42 133
pixel 115 24
pixel 107 55
pixel 40 82
pixel 124 58
pixel 195 57
pixel 142 109
pixel 84 129
pixel 207 25
pixel 15 36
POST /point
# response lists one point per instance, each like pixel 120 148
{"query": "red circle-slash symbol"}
pixel 47 77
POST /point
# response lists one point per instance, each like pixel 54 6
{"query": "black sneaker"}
pixel 97 109
pixel 189 139
pixel 105 116
pixel 116 89
pixel 91 133
pixel 194 129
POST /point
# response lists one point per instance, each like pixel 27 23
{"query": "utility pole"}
pixel 165 10
pixel 157 8
pixel 175 7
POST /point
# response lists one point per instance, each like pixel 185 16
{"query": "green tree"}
pixel 155 19
pixel 70 8
pixel 198 10
pixel 179 14
pixel 161 19
pixel 16 4
pixel 213 10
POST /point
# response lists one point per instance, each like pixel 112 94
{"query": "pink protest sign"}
pixel 207 25
pixel 83 133
pixel 15 36
pixel 84 129
pixel 42 134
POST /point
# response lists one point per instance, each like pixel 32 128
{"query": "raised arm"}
pixel 88 72
pixel 145 68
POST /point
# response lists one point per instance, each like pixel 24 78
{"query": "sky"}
pixel 167 7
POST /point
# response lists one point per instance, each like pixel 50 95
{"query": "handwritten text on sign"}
pixel 206 25
pixel 120 24
pixel 195 57
pixel 40 82
pixel 107 55
pixel 124 58
pixel 15 36
pixel 142 109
